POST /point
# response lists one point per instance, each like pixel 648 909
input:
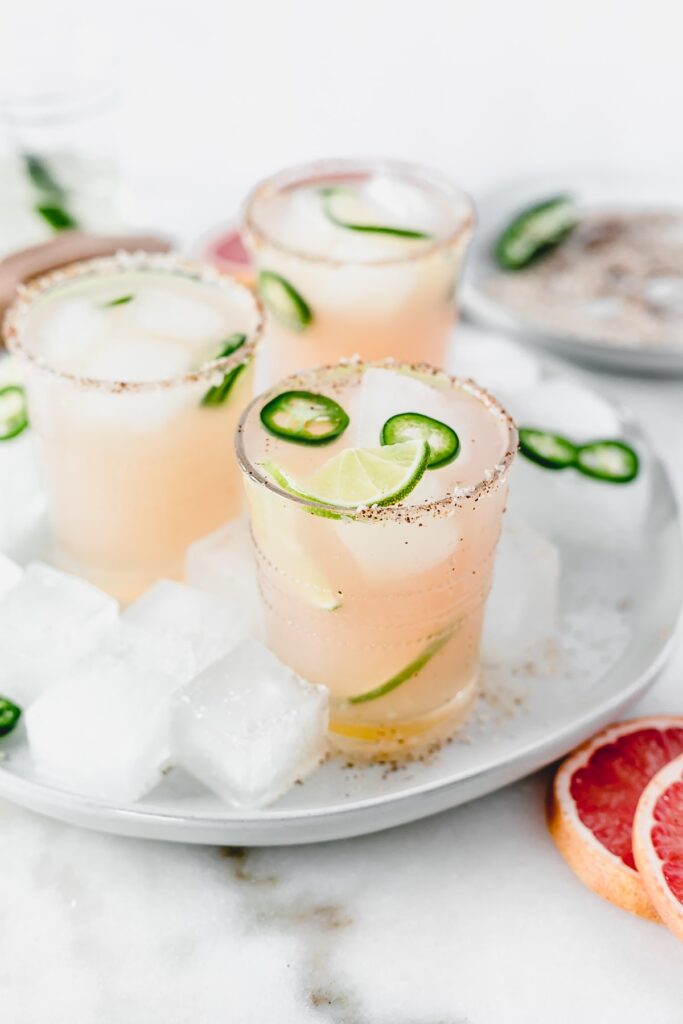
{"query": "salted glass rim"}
pixel 16 321
pixel 400 512
pixel 254 233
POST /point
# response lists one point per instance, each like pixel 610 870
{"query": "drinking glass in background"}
pixel 58 138
pixel 357 258
pixel 383 604
pixel 136 369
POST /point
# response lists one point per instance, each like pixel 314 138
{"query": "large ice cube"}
pixel 10 574
pixel 48 621
pixel 248 727
pixel 131 357
pixel 400 204
pixel 565 503
pixel 223 562
pixel 22 499
pixel 210 625
pixel 501 366
pixel 566 407
pixel 391 551
pixel 568 506
pixel 103 728
pixel 522 608
pixel 163 311
pixel 71 329
pixel 385 393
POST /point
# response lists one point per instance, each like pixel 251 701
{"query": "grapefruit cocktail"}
pixel 375 494
pixel 357 258
pixel 137 368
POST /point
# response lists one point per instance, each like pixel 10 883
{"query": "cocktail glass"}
pixel 135 469
pixel 336 290
pixel 384 605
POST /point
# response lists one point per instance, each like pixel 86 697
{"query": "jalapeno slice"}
pixel 219 393
pixel 610 461
pixel 304 417
pixel 536 231
pixel 9 716
pixel 345 207
pixel 13 412
pixel 442 440
pixel 283 300
pixel 552 451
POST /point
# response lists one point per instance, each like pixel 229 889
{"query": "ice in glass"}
pixel 375 494
pixel 357 258
pixel 137 368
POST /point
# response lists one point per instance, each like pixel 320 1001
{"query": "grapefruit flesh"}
pixel 658 843
pixel 229 248
pixel 594 799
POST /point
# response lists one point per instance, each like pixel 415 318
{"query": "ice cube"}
pixel 131 357
pixel 500 366
pixel 565 505
pixel 401 204
pixel 383 393
pixel 48 621
pixel 22 498
pixel 223 563
pixel 566 407
pixel 103 729
pixel 183 317
pixel 522 608
pixel 10 574
pixel 210 625
pixel 387 551
pixel 71 329
pixel 248 727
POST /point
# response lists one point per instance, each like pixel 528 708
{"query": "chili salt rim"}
pixel 255 235
pixel 439 508
pixel 16 317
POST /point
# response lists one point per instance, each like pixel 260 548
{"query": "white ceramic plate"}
pixel 495 210
pixel 620 607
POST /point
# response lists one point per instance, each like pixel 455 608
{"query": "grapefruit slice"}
pixel 228 252
pixel 593 803
pixel 658 843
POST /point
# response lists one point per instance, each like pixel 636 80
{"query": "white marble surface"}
pixel 471 916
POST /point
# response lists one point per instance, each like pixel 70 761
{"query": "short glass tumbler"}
pixel 383 605
pixel 135 469
pixel 334 289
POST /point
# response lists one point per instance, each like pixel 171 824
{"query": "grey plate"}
pixel 494 211
pixel 620 607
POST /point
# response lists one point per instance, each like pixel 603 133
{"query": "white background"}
pixel 218 92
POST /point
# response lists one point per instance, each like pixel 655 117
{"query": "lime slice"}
pixel 360 476
pixel 277 527
pixel 347 208
pixel 409 672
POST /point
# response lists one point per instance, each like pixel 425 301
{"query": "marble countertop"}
pixel 470 917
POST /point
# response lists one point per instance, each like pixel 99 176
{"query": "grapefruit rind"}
pixel 598 868
pixel 648 861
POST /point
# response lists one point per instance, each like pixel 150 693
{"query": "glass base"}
pixel 124 586
pixel 406 739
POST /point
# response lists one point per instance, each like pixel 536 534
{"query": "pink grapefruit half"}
pixel 227 251
pixel 658 843
pixel 593 803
